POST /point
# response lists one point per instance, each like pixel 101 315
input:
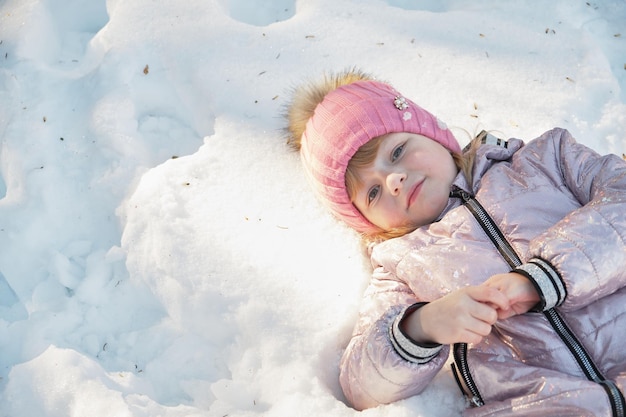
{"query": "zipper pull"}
pixel 476 402
pixel 456 192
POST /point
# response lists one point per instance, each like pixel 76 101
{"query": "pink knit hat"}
pixel 349 117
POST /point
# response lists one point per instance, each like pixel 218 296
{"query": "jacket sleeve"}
pixel 582 258
pixel 380 364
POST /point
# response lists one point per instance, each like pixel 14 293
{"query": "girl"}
pixel 510 255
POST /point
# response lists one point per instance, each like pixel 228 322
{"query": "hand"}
pixel 465 315
pixel 520 292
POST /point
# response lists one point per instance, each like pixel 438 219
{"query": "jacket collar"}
pixel 491 152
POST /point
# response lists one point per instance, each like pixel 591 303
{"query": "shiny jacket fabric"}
pixel 558 203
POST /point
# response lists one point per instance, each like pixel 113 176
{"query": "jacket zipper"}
pixel 558 323
pixel 465 380
pixel 586 363
pixel 490 227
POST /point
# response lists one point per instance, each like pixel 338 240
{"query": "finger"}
pixel 490 295
pixel 485 313
pixel 506 314
pixel 469 336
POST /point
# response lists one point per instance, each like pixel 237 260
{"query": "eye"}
pixel 371 195
pixel 397 152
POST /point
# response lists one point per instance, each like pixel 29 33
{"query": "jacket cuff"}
pixel 406 347
pixel 546 280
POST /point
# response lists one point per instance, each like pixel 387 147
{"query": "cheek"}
pixel 379 216
pixel 391 216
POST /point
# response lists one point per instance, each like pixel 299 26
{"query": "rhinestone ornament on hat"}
pixel 401 104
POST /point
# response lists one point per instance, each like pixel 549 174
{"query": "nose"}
pixel 395 182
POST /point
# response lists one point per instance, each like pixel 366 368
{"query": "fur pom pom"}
pixel 306 97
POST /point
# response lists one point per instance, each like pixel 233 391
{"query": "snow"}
pixel 160 251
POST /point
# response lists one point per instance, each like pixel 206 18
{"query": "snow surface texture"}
pixel 161 254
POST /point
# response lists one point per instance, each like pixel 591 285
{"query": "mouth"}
pixel 414 193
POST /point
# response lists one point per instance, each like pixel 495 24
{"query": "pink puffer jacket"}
pixel 562 209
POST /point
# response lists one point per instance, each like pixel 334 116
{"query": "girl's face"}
pixel 407 184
